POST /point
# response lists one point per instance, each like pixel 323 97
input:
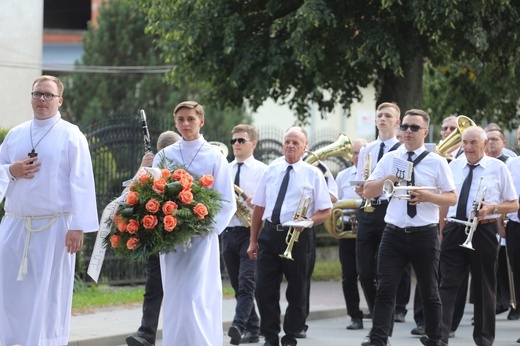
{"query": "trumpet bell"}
pixel 447 145
pixel 388 188
pixel 467 245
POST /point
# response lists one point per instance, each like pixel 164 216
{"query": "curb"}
pixel 115 340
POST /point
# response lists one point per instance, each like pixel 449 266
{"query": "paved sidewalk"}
pixel 110 327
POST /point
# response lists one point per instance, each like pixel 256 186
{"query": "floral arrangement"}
pixel 162 209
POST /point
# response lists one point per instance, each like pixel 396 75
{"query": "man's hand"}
pixel 147 160
pixel 25 168
pixel 252 250
pixel 74 241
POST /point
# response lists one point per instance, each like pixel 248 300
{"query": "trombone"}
pixel 292 234
pixel 389 189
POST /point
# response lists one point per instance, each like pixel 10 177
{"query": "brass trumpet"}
pixel 367 169
pixel 292 234
pixel 472 222
pixel 389 189
pixel 335 224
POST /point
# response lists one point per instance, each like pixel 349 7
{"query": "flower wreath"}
pixel 162 209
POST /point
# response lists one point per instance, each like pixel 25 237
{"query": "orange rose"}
pixel 133 226
pixel 158 185
pixel 178 174
pixel 132 243
pixel 206 180
pixel 114 241
pixel 186 182
pixel 165 173
pixel 132 198
pixel 121 225
pixel 153 206
pixel 149 221
pixel 200 210
pixel 145 178
pixel 185 197
pixel 169 208
pixel 169 223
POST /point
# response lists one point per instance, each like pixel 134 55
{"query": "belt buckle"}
pixel 407 230
pixel 280 228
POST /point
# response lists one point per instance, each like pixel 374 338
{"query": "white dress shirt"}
pixel 304 178
pixel 514 168
pixel 250 174
pixel 495 177
pixel 373 149
pixel 432 171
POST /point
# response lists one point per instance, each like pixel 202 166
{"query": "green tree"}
pixel 118 41
pixel 324 51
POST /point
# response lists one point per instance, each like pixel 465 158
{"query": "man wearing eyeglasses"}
pixel 449 125
pixel 50 203
pixel 246 172
pixel 411 232
pixel 371 223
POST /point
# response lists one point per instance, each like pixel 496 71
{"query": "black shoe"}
pixel 451 335
pixel 418 331
pixel 399 317
pixel 424 339
pixel 301 335
pixel 428 342
pixel 514 314
pixel 367 316
pixel 366 341
pixel 235 332
pixel 356 324
pixel 269 343
pixel 501 309
pixel 518 340
pixel 134 340
pixel 248 337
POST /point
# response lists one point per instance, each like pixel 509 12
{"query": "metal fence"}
pixel 116 147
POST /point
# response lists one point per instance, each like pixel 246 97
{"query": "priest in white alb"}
pixel 50 203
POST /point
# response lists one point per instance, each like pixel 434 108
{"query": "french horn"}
pixel 335 224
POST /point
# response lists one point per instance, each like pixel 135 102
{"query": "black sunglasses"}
pixel 405 127
pixel 239 140
pixel 446 128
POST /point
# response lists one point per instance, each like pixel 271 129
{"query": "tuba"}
pixel 242 213
pixel 220 146
pixel 335 224
pixel 447 145
pixel 341 147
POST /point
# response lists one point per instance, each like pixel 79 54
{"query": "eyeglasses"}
pixel 413 128
pixel 46 96
pixel 239 140
pixel 446 128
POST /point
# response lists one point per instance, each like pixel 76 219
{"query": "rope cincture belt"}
pixel 28 226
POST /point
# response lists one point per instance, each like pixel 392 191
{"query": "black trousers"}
pixel 503 297
pixel 241 271
pixel 421 248
pixel 270 270
pixel 370 231
pixel 456 262
pixel 513 251
pixel 349 277
pixel 153 296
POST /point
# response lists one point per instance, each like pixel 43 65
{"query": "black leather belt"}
pixel 275 226
pixel 412 229
pixel 237 229
pixel 486 221
pixel 376 202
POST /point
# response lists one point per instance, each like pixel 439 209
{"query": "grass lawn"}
pixel 89 299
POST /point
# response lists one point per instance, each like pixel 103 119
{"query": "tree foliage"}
pixel 324 51
pixel 120 40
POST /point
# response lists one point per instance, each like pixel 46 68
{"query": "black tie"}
pixel 464 193
pixel 237 176
pixel 411 210
pixel 275 217
pixel 381 151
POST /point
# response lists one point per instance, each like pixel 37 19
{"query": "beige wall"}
pixel 360 124
pixel 21 26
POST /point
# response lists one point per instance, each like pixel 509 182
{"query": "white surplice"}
pixel 192 305
pixel 36 310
